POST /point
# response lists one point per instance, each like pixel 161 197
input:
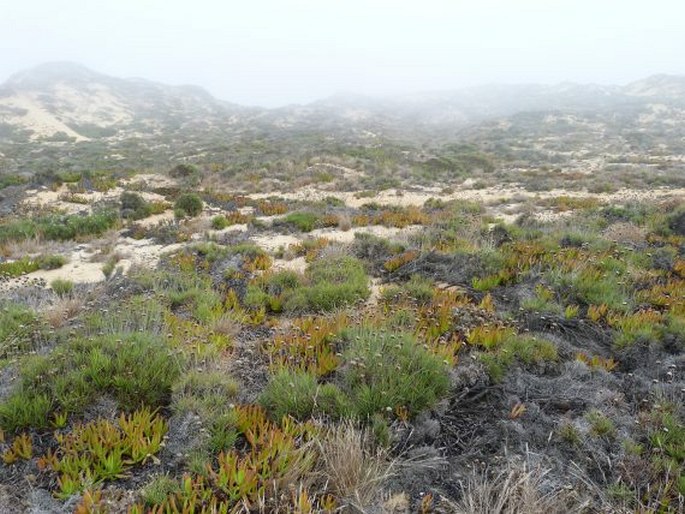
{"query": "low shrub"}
pixel 134 206
pixel 20 330
pixel 12 180
pixel 29 265
pixel 326 285
pixel 391 372
pixel 298 394
pixel 101 450
pixel 62 287
pixel 188 204
pixel 503 347
pixel 219 222
pixel 302 221
pixel 59 227
pixel 184 171
pixel 136 369
pixel 600 424
pixel 274 459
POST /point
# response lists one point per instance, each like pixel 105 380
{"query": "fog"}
pixel 275 52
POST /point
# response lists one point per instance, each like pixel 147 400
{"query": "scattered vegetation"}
pixel 233 375
pixel 58 227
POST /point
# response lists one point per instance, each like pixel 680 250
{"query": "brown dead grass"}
pixel 354 470
pixel 64 309
pixel 514 490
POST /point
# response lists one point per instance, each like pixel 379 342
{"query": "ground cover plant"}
pixel 29 264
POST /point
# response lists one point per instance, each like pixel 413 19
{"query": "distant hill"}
pixel 68 100
pixel 87 120
pixel 71 101
pixel 664 87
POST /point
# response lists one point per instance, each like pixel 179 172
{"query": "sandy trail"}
pixel 395 197
pixel 347 236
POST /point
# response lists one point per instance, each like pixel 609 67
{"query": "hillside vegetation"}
pixel 324 318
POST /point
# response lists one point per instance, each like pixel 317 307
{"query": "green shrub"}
pixel 73 226
pixel 223 432
pixel 391 371
pixel 326 285
pixel 139 313
pixel 297 394
pixel 29 265
pixel 59 227
pixel 204 393
pixel 12 180
pixel 62 287
pixel 667 431
pixel 676 222
pixel 335 282
pixel 19 267
pixel 591 287
pixel 673 334
pixel 512 347
pixel 23 410
pixel 188 204
pixel 49 262
pixel 290 393
pixel 420 289
pixel 600 424
pixel 158 489
pixel 134 206
pixel 209 395
pixel 183 171
pixel 136 369
pixel 303 221
pixel 19 330
pixel 219 222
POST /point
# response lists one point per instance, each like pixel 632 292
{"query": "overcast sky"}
pixel 272 52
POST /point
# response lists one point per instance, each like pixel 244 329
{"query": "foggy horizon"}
pixel 278 53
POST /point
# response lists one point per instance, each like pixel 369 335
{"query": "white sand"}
pixel 347 236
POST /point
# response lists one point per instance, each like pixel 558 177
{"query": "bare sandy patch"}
pixel 272 242
pixel 142 251
pixel 347 236
pixel 299 265
pixel 79 270
pixel 84 266
pixel 55 199
pixel 491 195
pixel 151 180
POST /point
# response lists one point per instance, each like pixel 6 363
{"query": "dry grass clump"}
pixel 625 233
pixel 353 468
pixel 31 246
pixel 64 309
pixel 344 222
pixel 514 490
